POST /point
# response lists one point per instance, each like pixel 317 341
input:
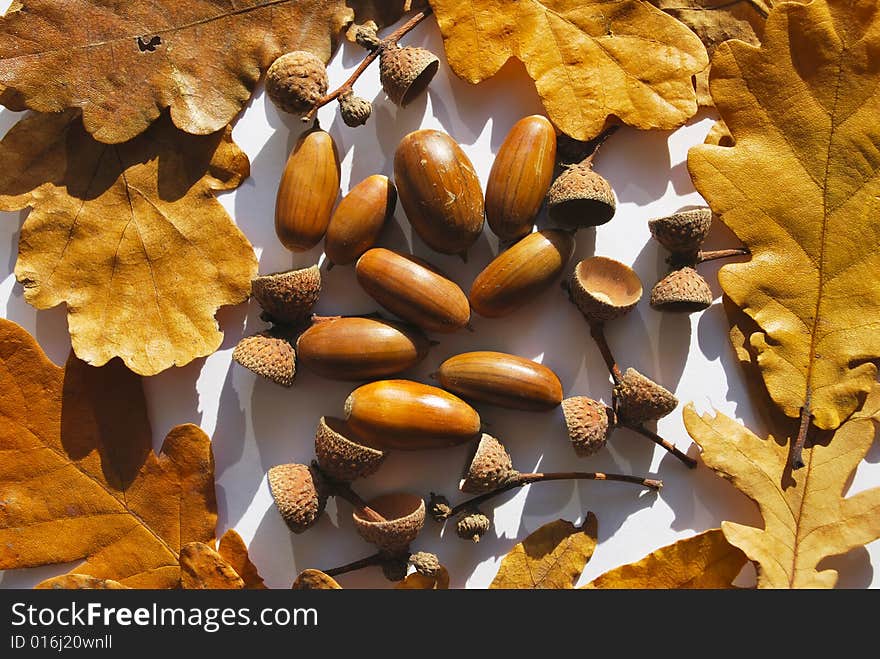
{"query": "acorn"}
pixel 296 81
pixel 354 110
pixel 406 415
pixel 501 379
pixel 439 508
pixel 359 218
pixel 360 348
pixel 413 290
pixel 489 469
pixel 307 191
pixel 520 274
pixel 406 72
pixel 404 515
pixel 341 455
pixel 639 399
pixel 520 177
pixel 425 563
pixel 268 354
pixel 300 494
pixel 473 525
pixel 439 191
pixel 682 232
pixel 589 424
pixel 684 290
pixel 579 197
pixel 604 289
pixel 288 297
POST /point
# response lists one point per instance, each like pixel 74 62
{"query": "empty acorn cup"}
pixel 269 354
pixel 684 290
pixel 489 469
pixel 406 72
pixel 299 493
pixel 604 289
pixel 341 455
pixel 404 517
pixel 288 297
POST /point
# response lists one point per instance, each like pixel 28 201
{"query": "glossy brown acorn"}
pixel 413 291
pixel 520 177
pixel 521 273
pixel 400 414
pixel 358 220
pixel 308 189
pixel 501 379
pixel 360 348
pixel 439 191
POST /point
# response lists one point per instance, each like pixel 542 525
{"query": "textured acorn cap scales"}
pixel 640 399
pixel 296 81
pixel 404 515
pixel 425 563
pixel 340 455
pixel 288 297
pixel 579 197
pixel 406 72
pixel 604 289
pixel 268 354
pixel 300 494
pixel 354 110
pixel 684 290
pixel 588 424
pixel 489 469
pixel 682 232
pixel 473 525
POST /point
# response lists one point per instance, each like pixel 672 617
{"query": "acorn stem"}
pixel 369 561
pixel 597 331
pixel 344 491
pixel 389 42
pixel 797 458
pixel 713 255
pixel 598 141
pixel 657 439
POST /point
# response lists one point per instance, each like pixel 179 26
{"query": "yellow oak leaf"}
pixel 79 480
pixel 552 557
pixel 130 236
pixel 202 568
pixel 590 60
pixel 79 582
pixel 797 178
pixel 416 581
pixel 315 580
pixel 706 560
pixel 233 550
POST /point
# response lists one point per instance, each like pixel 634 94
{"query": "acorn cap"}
pixel 640 399
pixel 682 232
pixel 340 455
pixel 405 517
pixel 588 424
pixel 473 525
pixel 579 197
pixel 489 469
pixel 684 290
pixel 268 354
pixel 425 563
pixel 299 493
pixel 296 81
pixel 354 110
pixel 439 508
pixel 604 289
pixel 406 72
pixel 288 297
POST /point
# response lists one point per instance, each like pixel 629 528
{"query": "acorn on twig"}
pixel 439 508
pixel 473 525
pixel 639 399
pixel 489 469
pixel 354 110
pixel 296 81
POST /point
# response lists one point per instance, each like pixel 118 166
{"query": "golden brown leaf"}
pixel 130 237
pixel 234 551
pixel 79 480
pixel 705 560
pixel 416 581
pixel 315 580
pixel 79 582
pixel 800 186
pixel 552 557
pixel 590 60
pixel 202 568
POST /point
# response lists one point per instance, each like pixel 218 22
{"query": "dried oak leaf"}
pixel 79 479
pixel 233 550
pixel 552 557
pixel 706 560
pixel 129 236
pixel 79 582
pixel 416 581
pixel 315 580
pixel 202 568
pixel 124 62
pixel 799 183
pixel 590 60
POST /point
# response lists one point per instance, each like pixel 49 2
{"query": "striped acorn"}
pixel 358 220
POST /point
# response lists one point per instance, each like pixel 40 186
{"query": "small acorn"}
pixel 300 494
pixel 296 81
pixel 288 297
pixel 439 508
pixel 269 354
pixel 341 455
pixel 354 110
pixel 640 399
pixel 425 563
pixel 489 469
pixel 366 35
pixel 404 515
pixel 406 72
pixel 588 422
pixel 604 289
pixel 682 232
pixel 473 525
pixel 580 197
pixel 358 219
pixel 684 290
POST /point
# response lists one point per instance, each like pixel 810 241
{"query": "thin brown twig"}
pixel 597 331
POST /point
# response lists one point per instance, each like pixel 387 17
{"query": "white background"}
pixel 256 424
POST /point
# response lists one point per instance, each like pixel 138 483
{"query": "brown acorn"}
pixel 412 290
pixel 518 275
pixel 288 297
pixel 270 355
pixel 579 197
pixel 341 455
pixel 501 379
pixel 360 348
pixel 684 290
pixel 489 469
pixel 406 415
pixel 439 191
pixel 296 81
pixel 300 494
pixel 682 232
pixel 406 72
pixel 520 177
pixel 307 192
pixel 359 218
pixel 405 517
pixel 472 525
pixel 640 399
pixel 604 289
pixel 589 424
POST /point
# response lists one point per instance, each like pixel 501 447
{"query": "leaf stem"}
pixel 713 255
pixel 797 458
